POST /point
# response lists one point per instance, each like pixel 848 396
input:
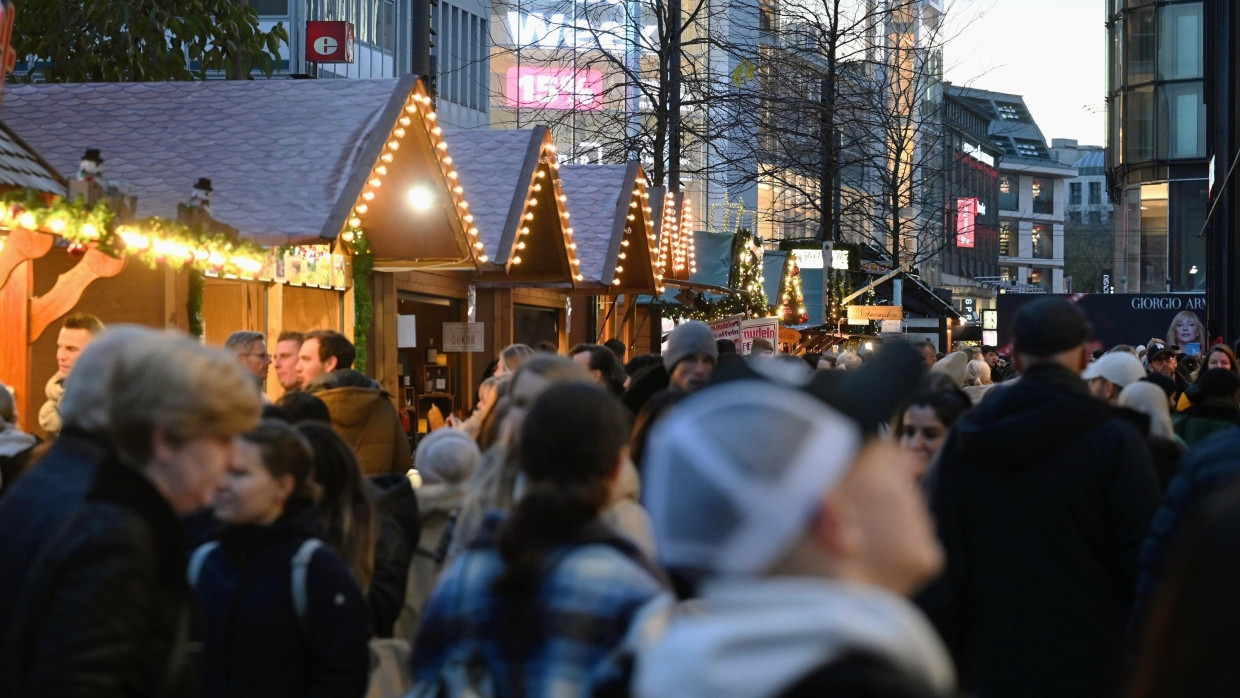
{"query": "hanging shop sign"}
pixel 861 314
pixel 758 328
pixel 966 221
pixel 728 328
pixel 462 336
pixel 329 42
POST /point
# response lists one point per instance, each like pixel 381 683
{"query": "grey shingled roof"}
pixel 489 166
pixel 21 166
pixel 593 193
pixel 279 153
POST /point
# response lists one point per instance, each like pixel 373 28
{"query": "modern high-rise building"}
pixel 1156 149
pixel 1222 100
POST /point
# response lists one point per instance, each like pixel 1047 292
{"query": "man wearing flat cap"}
pixel 1042 496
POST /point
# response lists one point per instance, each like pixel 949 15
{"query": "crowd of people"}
pixel 888 522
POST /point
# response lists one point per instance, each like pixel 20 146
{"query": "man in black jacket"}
pixel 1042 496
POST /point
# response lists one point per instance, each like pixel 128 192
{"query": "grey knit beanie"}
pixel 689 339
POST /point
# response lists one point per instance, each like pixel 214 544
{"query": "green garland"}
pixel 193 304
pixel 152 241
pixel 363 301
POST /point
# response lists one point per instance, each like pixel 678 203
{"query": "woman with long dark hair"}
pixel 282 615
pixel 543 598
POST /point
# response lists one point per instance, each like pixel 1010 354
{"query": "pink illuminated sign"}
pixel 551 88
pixel 966 220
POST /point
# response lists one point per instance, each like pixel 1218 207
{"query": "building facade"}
pixel 1088 225
pixel 1032 193
pixel 1156 149
pixel 385 43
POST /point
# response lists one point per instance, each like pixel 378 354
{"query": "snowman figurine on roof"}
pixel 200 197
pixel 91 166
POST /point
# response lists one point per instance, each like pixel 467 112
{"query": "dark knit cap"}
pixel 1048 326
pixel 1218 382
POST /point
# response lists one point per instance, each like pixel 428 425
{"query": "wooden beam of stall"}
pixel 14 347
pixel 21 245
pixel 55 304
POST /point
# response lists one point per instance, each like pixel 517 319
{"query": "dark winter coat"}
pixel 36 505
pixel 365 417
pixel 1205 417
pixel 399 525
pixel 1208 467
pixel 105 609
pixel 253 642
pixel 1042 496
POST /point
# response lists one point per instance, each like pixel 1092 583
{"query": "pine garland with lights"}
pixel 363 301
pixel 837 288
pixel 744 275
pixel 792 309
pixel 193 302
pixel 151 241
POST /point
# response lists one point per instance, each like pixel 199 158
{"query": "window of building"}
pixel 1043 242
pixel 1139 124
pixel 1181 121
pixel 1141 46
pixel 1043 195
pixel 1041 277
pixel 1008 274
pixel 768 20
pixel 1095 193
pixel 1179 32
pixel 1074 216
pixel 270 7
pixel 1007 238
pixel 1117 54
pixel 1009 192
pixel 1153 228
pixel 1074 193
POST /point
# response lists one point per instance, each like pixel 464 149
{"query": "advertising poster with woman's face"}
pixel 1133 319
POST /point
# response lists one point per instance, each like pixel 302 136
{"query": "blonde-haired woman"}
pixel 511 357
pixel 977 380
pixel 1186 328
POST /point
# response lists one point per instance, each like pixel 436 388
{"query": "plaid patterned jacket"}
pixel 588 597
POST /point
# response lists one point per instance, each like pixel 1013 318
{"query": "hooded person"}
pixel 1042 495
pixel 804 541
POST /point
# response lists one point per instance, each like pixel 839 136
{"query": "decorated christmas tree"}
pixel 792 310
pixel 746 273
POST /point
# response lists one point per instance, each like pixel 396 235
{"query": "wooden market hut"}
pixel 615 241
pixel 522 243
pixel 291 164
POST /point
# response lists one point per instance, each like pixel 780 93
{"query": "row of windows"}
pixel 1164 122
pixel 1074 193
pixel 1043 194
pixel 1162 43
pixel 374 21
pixel 1042 238
pixel 461 53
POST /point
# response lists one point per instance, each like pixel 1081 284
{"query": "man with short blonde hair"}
pixel 77 332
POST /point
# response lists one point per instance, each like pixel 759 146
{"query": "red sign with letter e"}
pixel 329 42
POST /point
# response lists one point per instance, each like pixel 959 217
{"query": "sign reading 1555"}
pixel 554 88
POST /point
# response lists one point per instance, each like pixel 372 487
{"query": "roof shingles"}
pixel 278 152
pixel 592 195
pixel 489 165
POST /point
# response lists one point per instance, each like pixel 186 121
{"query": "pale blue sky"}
pixel 1051 51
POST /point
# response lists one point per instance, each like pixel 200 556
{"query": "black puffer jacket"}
pixel 105 609
pixel 254 643
pixel 1042 496
pixel 399 526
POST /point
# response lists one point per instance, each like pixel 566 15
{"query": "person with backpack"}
pixel 539 603
pixel 281 613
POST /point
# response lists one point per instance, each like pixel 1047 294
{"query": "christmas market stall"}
pixel 251 199
pixel 615 241
pixel 451 317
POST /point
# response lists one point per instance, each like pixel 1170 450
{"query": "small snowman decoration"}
pixel 91 167
pixel 200 197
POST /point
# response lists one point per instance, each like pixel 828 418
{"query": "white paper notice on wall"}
pixel 406 331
